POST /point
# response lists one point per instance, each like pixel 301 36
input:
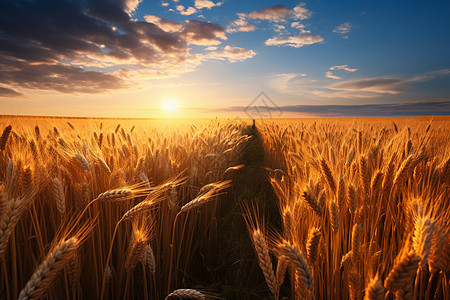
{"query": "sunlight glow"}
pixel 170 106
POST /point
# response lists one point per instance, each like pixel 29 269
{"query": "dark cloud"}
pixel 434 108
pixel 203 33
pixel 66 45
pixel 5 92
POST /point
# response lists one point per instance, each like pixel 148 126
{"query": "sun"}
pixel 170 106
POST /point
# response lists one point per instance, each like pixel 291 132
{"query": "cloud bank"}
pixel 434 108
pixel 94 46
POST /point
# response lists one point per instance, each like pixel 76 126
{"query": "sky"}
pixel 227 58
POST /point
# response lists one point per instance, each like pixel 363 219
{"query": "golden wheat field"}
pixel 219 209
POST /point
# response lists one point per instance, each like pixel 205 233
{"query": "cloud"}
pixel 164 24
pixel 94 46
pixel 274 13
pixel 346 68
pixel 385 85
pixel 232 54
pixel 279 28
pixel 343 29
pixel 420 108
pixel 362 88
pixel 203 33
pixel 297 25
pixel 330 74
pixel 240 25
pixel 5 92
pixel 279 13
pixel 200 4
pixel 186 12
pixel 294 41
pixel 300 12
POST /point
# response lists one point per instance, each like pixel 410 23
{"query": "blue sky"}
pixel 211 58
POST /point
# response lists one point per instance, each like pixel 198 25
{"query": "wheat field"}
pixel 218 209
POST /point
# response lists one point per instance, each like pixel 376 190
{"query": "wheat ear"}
pixel 328 175
pixel 58 194
pixel 312 244
pixel 186 293
pixel 375 290
pixel 10 216
pixel 46 272
pixel 312 202
pixel 298 261
pixel 265 262
pixel 403 272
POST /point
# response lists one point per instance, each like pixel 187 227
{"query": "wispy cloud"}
pixel 349 89
pixel 330 75
pixel 343 29
pixel 294 41
pixel 5 92
pixel 346 68
pixel 241 25
pixel 232 54
pixel 384 85
pixel 421 108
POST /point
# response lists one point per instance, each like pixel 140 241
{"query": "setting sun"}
pixel 170 106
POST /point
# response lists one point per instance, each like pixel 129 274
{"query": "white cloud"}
pixel 294 41
pixel 232 54
pixel 329 74
pixel 344 68
pixel 131 5
pixel 164 4
pixel 343 29
pixel 241 25
pixel 297 25
pixel 279 28
pixel 273 13
pixel 300 12
pixel 200 4
pixel 186 12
